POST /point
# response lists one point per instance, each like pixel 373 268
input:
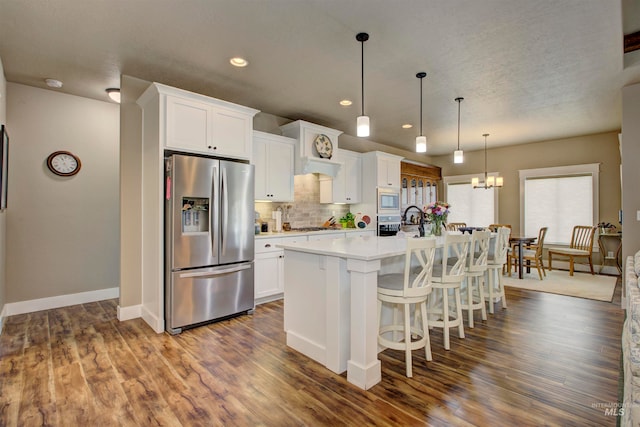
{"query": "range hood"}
pixel 316 165
pixel 310 137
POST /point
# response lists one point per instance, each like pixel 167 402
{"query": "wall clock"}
pixel 323 146
pixel 63 163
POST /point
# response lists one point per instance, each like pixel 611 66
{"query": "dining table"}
pixel 521 242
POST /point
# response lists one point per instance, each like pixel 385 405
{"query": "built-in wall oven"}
pixel 389 225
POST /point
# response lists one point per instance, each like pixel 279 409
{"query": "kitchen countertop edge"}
pixel 272 234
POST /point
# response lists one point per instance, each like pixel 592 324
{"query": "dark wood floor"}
pixel 546 360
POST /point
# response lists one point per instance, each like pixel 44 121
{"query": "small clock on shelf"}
pixel 63 163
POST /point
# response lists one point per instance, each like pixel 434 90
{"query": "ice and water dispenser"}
pixel 195 215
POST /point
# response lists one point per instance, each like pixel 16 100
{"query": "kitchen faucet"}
pixel 421 225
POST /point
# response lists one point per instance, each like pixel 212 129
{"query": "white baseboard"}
pixel 58 301
pixel 130 312
pixel 3 314
pixel 156 323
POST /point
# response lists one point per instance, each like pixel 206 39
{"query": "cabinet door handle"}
pixel 268 245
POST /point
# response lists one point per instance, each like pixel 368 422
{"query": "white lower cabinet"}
pixel 269 267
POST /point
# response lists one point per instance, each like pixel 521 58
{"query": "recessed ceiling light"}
pixel 346 102
pixel 407 126
pixel 53 83
pixel 114 94
pixel 239 62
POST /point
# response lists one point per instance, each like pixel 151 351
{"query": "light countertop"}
pixel 366 248
pixel 271 234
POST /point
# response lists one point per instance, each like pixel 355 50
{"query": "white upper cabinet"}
pixel 196 123
pixel 273 160
pixel 388 171
pixel 346 187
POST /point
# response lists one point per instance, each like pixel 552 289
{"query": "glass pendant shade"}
pixel 421 144
pixel 499 181
pixel 458 156
pixel 491 181
pixel 475 182
pixel 362 122
pixel 362 126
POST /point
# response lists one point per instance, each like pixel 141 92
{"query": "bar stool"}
pixel 497 258
pixel 448 276
pixel 474 275
pixel 412 287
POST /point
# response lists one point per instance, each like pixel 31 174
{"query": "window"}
pixel 558 198
pixel 475 207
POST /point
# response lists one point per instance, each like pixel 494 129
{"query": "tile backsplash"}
pixel 306 210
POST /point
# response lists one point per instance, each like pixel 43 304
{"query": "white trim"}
pixel 130 312
pixel 156 323
pixel 589 168
pixel 3 314
pixel 58 301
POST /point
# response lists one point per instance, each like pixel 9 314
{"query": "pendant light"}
pixel 489 181
pixel 362 124
pixel 458 156
pixel 421 140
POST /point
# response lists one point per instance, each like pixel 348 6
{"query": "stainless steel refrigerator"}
pixel 209 240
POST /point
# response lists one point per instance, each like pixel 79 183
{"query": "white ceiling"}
pixel 528 70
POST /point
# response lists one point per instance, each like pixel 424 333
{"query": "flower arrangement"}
pixel 436 213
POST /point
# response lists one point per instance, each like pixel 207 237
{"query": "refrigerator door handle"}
pixel 217 272
pixel 224 209
pixel 212 217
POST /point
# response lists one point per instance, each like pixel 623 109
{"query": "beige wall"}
pixel 630 169
pixel 3 215
pixel 600 148
pixel 62 233
pixel 131 191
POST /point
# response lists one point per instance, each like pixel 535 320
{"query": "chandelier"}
pixel 489 181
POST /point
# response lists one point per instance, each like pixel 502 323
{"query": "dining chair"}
pixel 494 227
pixel 454 226
pixel 530 253
pixel 496 260
pixel 473 285
pixel 581 246
pixel 448 274
pixel 412 287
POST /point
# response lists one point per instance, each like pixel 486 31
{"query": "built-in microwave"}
pixel 388 200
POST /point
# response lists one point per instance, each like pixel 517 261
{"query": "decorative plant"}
pixel 347 220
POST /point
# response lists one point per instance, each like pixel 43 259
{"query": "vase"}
pixel 437 227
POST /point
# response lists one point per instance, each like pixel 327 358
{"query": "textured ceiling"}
pixel 528 70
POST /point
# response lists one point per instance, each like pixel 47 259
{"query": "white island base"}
pixel 330 302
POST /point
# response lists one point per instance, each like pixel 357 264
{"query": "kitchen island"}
pixel 330 302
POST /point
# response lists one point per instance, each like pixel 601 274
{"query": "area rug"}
pixel 582 285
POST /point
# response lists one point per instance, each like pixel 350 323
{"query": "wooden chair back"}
pixel 540 242
pixel 454 226
pixel 494 227
pixel 582 237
